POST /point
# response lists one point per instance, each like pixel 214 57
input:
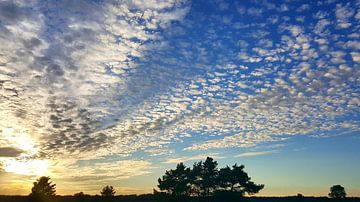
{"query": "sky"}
pixel 96 93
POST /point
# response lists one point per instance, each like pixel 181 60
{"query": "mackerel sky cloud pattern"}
pixel 94 82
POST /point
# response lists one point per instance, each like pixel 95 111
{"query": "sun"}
pixel 28 167
pixel 20 140
pixel 23 164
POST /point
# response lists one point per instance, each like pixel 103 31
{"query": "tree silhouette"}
pixel 204 179
pixel 79 194
pixel 299 195
pixel 237 180
pixel 108 191
pixel 81 197
pixel 208 176
pixel 43 190
pixel 337 191
pixel 196 179
pixel 176 182
pixel 44 187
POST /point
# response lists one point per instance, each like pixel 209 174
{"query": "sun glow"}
pixel 20 140
pixel 30 167
pixel 24 164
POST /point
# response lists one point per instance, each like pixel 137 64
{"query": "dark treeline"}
pixel 203 182
pixel 152 198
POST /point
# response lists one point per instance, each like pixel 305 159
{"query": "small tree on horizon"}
pixel 108 191
pixel 337 191
pixel 79 194
pixel 43 187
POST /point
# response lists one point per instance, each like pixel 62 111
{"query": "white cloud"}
pixel 256 153
pixel 343 13
pixel 355 56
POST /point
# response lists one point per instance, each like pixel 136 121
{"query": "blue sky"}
pixel 115 92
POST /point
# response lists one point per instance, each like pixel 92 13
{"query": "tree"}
pixel 337 191
pixel 108 191
pixel 299 195
pixel 196 179
pixel 43 187
pixel 203 177
pixel 79 194
pixel 235 179
pixel 209 174
pixel 176 182
pixel 81 197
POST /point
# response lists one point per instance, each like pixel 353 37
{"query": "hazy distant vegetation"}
pixel 204 182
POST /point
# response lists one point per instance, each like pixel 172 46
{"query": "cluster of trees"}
pixel 202 180
pixel 205 179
